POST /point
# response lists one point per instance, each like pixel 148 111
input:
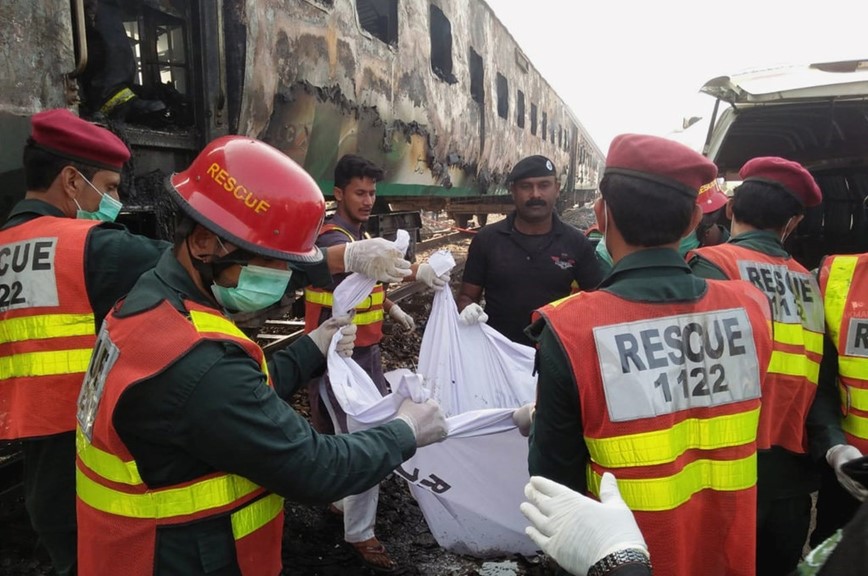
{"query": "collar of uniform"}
pixel 647 262
pixel 761 241
pixel 358 230
pixel 34 207
pixel 557 225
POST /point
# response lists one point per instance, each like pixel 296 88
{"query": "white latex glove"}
pixel 376 258
pixel 837 456
pixel 577 531
pixel 523 418
pixel 473 314
pixel 322 334
pixel 426 419
pixel 405 320
pixel 426 274
pixel 347 342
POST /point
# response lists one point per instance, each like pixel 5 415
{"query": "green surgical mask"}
pixel 108 209
pixel 688 243
pixel 258 288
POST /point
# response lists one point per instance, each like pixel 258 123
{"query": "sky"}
pixel 637 66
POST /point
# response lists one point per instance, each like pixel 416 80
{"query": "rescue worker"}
pixel 186 443
pixel 803 427
pixel 711 200
pixel 66 264
pixel 526 260
pixel 657 374
pixel 355 191
pixel 844 285
pixel 63 264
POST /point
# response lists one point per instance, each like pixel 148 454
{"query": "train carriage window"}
pixel 441 45
pixel 477 77
pixel 533 118
pixel 502 96
pixel 379 18
pixel 543 126
pixel 519 109
pixel 560 137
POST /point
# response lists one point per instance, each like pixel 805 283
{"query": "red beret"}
pixel 711 197
pixel 789 175
pixel 61 132
pixel 660 160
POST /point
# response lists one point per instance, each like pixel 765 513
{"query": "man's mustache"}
pixel 530 203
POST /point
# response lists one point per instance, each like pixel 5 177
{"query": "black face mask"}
pixel 210 270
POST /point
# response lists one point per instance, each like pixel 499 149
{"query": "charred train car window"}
pixel 379 18
pixel 519 109
pixel 502 96
pixel 533 119
pixel 441 45
pixel 543 126
pixel 477 77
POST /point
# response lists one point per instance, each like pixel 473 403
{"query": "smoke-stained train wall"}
pixel 438 93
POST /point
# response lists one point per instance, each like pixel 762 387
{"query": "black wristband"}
pixel 618 559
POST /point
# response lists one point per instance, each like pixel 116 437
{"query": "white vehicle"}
pixel 816 115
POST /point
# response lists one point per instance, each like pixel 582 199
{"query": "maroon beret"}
pixel 61 132
pixel 786 174
pixel 660 160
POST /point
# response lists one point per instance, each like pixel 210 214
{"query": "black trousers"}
pixel 111 64
pixel 782 530
pixel 835 507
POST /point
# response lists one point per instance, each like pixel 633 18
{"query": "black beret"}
pixel 531 167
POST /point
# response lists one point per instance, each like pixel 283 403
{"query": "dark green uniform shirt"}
pixel 781 473
pixel 557 447
pixel 211 411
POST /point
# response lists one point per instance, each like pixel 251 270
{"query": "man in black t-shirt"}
pixel 526 260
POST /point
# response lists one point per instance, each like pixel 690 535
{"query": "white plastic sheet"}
pixel 469 486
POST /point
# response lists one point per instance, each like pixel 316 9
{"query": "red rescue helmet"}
pixel 711 197
pixel 254 196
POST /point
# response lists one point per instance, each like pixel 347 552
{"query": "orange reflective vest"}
pixel 670 402
pixel 118 513
pixel 47 325
pixel 844 284
pixel 797 312
pixel 369 313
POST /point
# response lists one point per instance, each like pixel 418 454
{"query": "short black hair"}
pixel 41 167
pixel 764 206
pixel 633 201
pixel 351 166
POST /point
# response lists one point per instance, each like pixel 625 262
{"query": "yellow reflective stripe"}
pixel 44 326
pixel 45 363
pixel 858 398
pixel 169 503
pixel 851 367
pixel 208 322
pixel 837 290
pixel 855 425
pixel 796 335
pixel 794 365
pixel 106 465
pixel 662 446
pixel 666 493
pixel 371 317
pixel 326 299
pixel 255 515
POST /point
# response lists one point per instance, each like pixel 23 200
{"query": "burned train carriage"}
pixel 438 93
